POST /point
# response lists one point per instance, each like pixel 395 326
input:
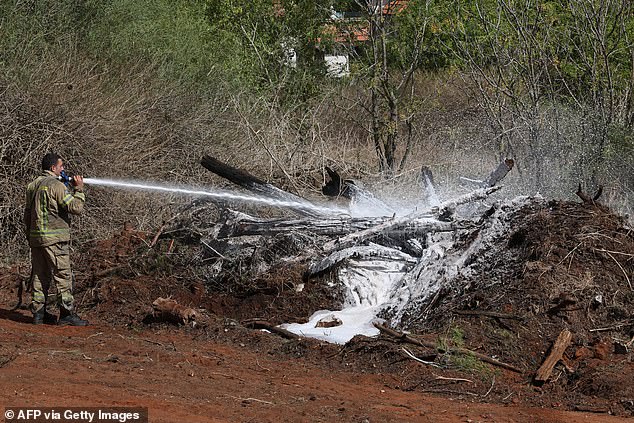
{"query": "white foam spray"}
pixel 368 283
pixel 218 194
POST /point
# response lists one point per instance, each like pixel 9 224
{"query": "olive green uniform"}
pixel 46 218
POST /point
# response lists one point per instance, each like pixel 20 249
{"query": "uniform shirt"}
pixel 48 205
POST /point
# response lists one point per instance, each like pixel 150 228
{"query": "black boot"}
pixel 38 316
pixel 66 318
pixel 50 319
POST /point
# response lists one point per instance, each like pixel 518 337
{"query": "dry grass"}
pixel 136 130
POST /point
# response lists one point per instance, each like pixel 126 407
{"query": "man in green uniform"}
pixel 49 202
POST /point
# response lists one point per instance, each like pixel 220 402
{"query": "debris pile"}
pixel 538 287
pixel 371 262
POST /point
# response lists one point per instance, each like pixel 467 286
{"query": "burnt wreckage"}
pixel 388 265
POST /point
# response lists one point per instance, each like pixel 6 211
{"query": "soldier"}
pixel 46 218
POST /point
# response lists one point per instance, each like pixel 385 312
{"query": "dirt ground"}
pixel 182 378
pixel 554 266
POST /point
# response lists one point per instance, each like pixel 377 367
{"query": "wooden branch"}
pixel 556 353
pixel 413 357
pixel 255 184
pixel 617 326
pixel 235 175
pixel 453 379
pixel 449 391
pixel 586 198
pixel 158 234
pixel 240 224
pixel 361 251
pixel 405 337
pixel 165 223
pixel 494 177
pixel 499 173
pixel 260 324
pixel 360 236
pixel 428 344
pixel 627 278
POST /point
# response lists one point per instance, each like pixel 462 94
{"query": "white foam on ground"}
pixel 369 283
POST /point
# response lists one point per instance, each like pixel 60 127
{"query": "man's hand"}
pixel 78 182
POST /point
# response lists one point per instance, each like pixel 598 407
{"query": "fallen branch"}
pixel 428 344
pixel 212 249
pixel 259 324
pixel 557 351
pixel 363 251
pixel 586 198
pixel 627 278
pixel 495 176
pixel 449 391
pixel 500 172
pixel 454 379
pixel 617 326
pixel 149 341
pixel 614 252
pixel 252 399
pixel 491 388
pixel 240 224
pixel 255 184
pixel 158 234
pixel 360 236
pixel 413 357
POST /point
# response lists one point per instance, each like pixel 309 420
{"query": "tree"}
pixel 263 32
pixel 403 37
pixel 536 64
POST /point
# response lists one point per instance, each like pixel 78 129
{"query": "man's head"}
pixel 53 162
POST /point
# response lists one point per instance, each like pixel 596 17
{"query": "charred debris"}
pixel 535 283
pixel 322 243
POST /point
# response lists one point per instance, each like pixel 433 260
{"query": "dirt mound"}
pixel 563 262
pixel 118 278
pixel 562 265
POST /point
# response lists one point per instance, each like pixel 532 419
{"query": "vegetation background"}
pixel 141 89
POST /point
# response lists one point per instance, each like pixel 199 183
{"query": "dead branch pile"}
pixel 442 260
pixel 518 264
pixel 239 246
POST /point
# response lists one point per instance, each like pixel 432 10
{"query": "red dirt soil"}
pixel 181 378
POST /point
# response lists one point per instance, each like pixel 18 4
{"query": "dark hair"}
pixel 49 160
